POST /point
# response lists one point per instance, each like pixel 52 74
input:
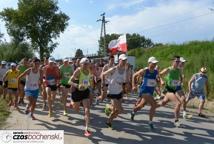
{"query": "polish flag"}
pixel 118 45
pixel 113 46
pixel 122 44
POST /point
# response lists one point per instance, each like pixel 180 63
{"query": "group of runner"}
pixel 86 80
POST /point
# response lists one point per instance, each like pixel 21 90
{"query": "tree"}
pixel 79 53
pixel 37 20
pixel 13 52
pixel 133 40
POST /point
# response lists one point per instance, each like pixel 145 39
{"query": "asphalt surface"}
pixel 192 131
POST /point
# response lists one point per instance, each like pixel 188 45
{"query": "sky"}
pixel 163 21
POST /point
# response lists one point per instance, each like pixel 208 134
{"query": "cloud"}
pixel 75 37
pixel 8 4
pixel 124 4
pixel 169 21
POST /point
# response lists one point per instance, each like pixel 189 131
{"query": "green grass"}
pixel 197 53
pixel 4 112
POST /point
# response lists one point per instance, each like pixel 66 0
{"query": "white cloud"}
pixel 8 4
pixel 124 4
pixel 77 37
pixel 172 21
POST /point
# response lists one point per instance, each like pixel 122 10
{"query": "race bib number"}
pixel 175 83
pixel 34 85
pixel 51 80
pixel 85 83
pixel 151 83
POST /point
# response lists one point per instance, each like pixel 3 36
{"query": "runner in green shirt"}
pixel 173 91
pixel 65 73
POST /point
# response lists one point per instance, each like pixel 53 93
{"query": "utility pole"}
pixel 103 32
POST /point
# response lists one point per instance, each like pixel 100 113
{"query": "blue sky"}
pixel 165 21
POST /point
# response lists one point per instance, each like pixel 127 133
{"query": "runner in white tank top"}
pixel 33 82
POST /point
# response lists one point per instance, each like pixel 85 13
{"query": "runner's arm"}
pixel 26 72
pixel 190 82
pixel 73 77
pixel 162 74
pixel 109 71
pixel 41 77
pixel 138 73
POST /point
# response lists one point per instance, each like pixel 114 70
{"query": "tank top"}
pixel 51 75
pixel 65 73
pixel 116 81
pixel 149 79
pixel 198 83
pixel 173 78
pixel 84 79
pixel 32 80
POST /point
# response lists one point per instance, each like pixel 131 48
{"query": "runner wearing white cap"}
pixel 81 81
pixel 150 79
pixel 117 78
pixel 12 77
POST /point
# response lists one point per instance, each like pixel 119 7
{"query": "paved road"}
pixel 193 131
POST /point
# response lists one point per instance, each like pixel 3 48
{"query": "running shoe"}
pixel 65 113
pixel 87 133
pixel 177 123
pixel 202 115
pixel 50 114
pixel 151 126
pixel 132 115
pixel 32 116
pixel 109 124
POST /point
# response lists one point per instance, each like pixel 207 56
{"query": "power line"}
pixel 176 22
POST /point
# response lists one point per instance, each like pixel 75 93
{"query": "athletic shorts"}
pixel 115 96
pixel 193 94
pixel 12 90
pixel 143 94
pixel 52 87
pixel 78 96
pixel 22 82
pixel 171 90
pixel 1 83
pixel 32 93
pixel 66 85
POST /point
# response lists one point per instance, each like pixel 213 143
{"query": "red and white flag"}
pixel 113 46
pixel 119 44
pixel 122 44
